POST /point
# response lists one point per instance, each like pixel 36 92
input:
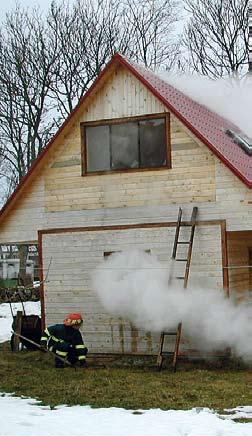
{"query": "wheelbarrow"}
pixel 31 326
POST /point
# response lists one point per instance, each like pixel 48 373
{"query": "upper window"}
pixel 118 145
pixel 244 141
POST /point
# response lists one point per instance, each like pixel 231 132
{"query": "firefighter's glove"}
pixel 83 363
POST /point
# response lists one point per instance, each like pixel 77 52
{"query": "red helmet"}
pixel 73 319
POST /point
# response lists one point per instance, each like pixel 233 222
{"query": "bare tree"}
pixel 153 41
pixel 216 36
pixel 2 178
pixel 91 32
pixel 7 181
pixel 87 35
pixel 49 61
pixel 25 76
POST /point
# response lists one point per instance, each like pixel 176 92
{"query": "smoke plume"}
pixel 135 285
pixel 230 97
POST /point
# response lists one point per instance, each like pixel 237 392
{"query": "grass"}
pixel 127 382
pixel 8 283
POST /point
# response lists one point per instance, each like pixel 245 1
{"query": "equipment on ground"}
pixel 45 350
pixel 29 326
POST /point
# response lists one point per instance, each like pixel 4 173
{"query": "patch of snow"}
pixel 31 308
pixel 238 412
pixel 22 415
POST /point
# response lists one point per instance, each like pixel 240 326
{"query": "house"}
pixel 10 264
pixel 132 152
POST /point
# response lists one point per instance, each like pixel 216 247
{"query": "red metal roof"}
pixel 205 124
pixel 208 126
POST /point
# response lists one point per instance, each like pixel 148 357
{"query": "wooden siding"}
pixel 191 179
pixel 59 196
pixel 122 96
pixel 240 255
pixel 22 223
pixel 75 255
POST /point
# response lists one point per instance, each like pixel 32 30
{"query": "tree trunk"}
pixel 23 278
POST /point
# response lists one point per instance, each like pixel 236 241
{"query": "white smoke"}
pixel 230 97
pixel 134 285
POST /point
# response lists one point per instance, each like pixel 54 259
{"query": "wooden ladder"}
pixel 162 354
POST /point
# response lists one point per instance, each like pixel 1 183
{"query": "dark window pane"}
pixel 153 151
pixel 98 153
pixel 124 146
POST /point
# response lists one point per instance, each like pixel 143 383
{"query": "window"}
pixel 134 144
pixel 244 141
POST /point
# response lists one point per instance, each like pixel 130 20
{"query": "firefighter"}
pixel 65 341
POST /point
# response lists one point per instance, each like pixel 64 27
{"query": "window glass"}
pixel 135 144
pixel 98 148
pixel 124 146
pixel 153 151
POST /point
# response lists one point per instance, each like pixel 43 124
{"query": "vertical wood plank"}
pixel 17 328
pixel 224 252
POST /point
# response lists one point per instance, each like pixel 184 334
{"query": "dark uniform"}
pixel 66 342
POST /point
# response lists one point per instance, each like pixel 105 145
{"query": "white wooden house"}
pixel 132 152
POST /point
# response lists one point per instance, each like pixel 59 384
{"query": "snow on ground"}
pixel 31 308
pixel 24 416
pixel 238 412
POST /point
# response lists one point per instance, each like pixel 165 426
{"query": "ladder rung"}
pixel 167 353
pixel 181 260
pixel 183 242
pixel 180 278
pixel 163 354
pixel 169 333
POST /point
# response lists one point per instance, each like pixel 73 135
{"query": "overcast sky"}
pixel 7 5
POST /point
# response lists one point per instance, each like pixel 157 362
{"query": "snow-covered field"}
pixel 21 416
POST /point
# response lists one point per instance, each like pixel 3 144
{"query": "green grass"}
pixel 126 382
pixel 8 283
pixel 242 420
